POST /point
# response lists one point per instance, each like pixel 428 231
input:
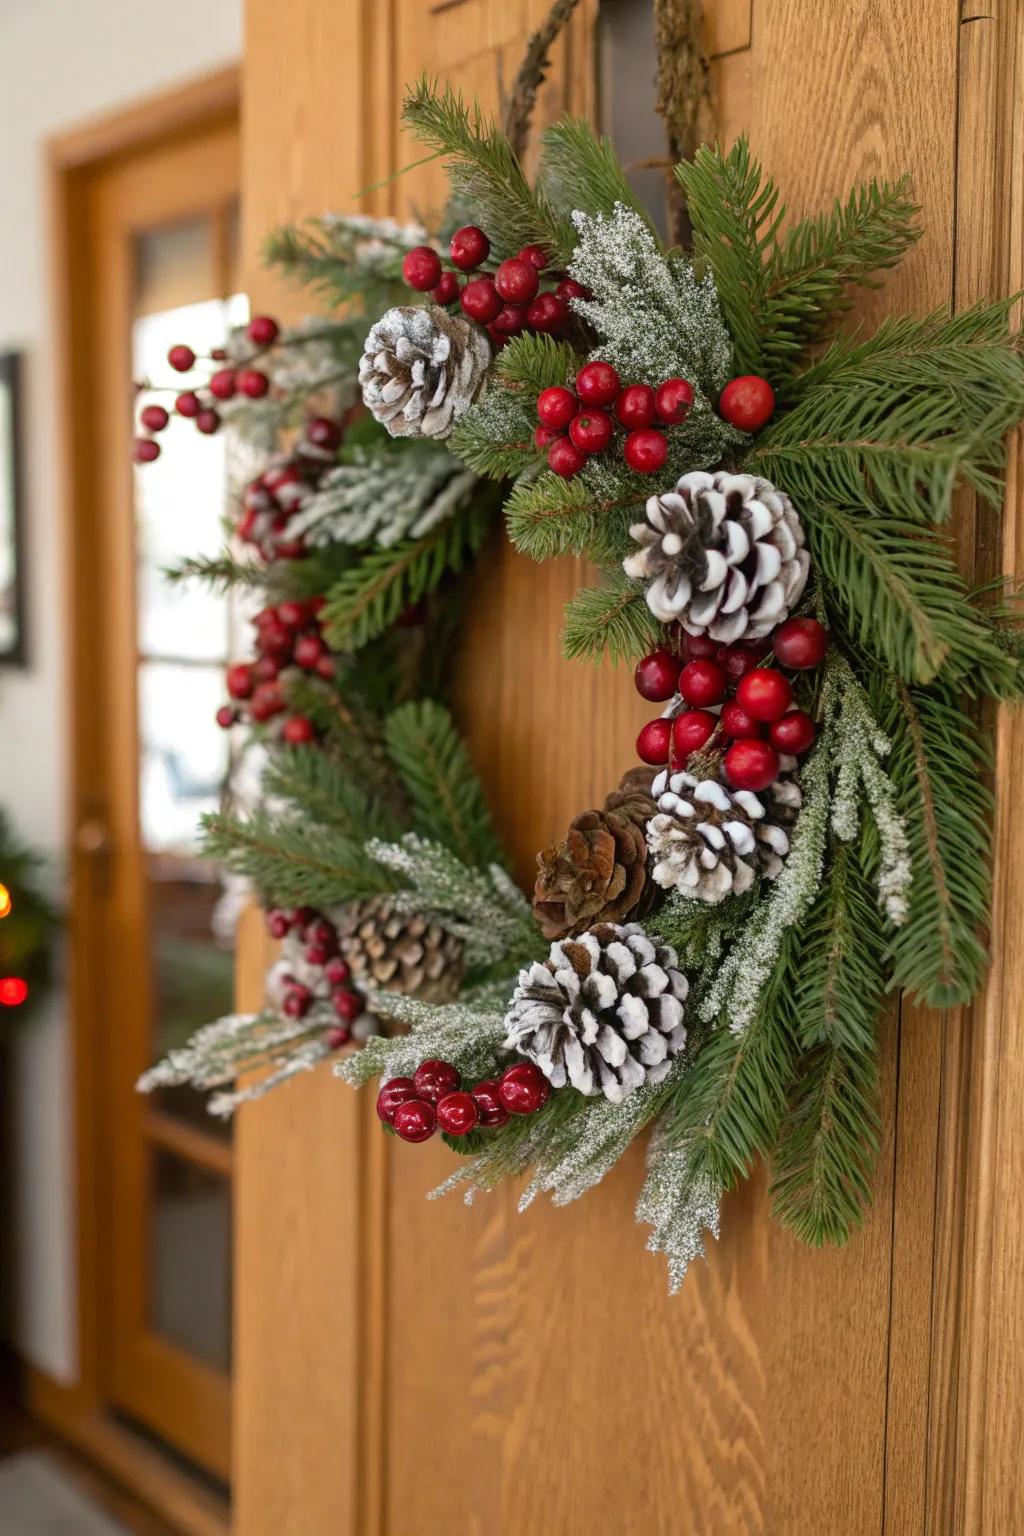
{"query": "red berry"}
pixel 653 742
pixel 703 683
pixel 292 613
pixel 800 643
pixel 510 321
pixel 219 354
pixel 523 1088
pixel 414 1121
pixel 301 917
pixel 207 421
pixel 434 1078
pixel 226 717
pixel 265 668
pixel 187 403
pixel 239 680
pixel 499 339
pixel 317 954
pixel 486 1097
pixel 181 358
pixel 481 300
pixel 421 268
pixel 469 247
pixel 337 1036
pixel 700 648
pixel 591 430
pixel 298 730
pixel 657 676
pixel 322 432
pixel 737 724
pixel 645 451
pixel 565 459
pixel 557 406
pixel 297 1003
pixel 457 1114
pixel 348 1005
pixel 569 288
pixel 278 923
pixel 223 383
pixel 337 971
pixel 537 256
pixel 751 765
pixel 547 313
pixel 253 382
pixel 765 694
pixel 793 733
pixel 635 406
pixel 692 730
pixel 275 639
pixel 267 701
pixel 392 1095
pixel 597 383
pixel 673 401
pixel 144 450
pixel 738 660
pixel 308 650
pixel 154 418
pixel 747 402
pixel 262 331
pixel 447 290
pixel 543 437
pixel 516 280
pixel 320 931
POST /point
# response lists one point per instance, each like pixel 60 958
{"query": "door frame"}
pixel 78 1411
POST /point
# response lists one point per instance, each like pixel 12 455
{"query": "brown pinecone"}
pixel 598 874
pixel 398 952
pixel 633 798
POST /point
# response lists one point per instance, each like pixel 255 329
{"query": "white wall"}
pixel 61 62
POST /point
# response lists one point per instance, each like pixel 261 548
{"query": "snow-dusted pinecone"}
pixel 709 841
pixel 399 952
pixel 722 554
pixel 597 874
pixel 605 1012
pixel 422 368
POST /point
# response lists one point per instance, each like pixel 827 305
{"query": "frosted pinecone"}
pixel 393 951
pixel 709 841
pixel 422 368
pixel 605 1012
pixel 722 554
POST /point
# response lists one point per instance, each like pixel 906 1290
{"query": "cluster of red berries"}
pixel 271 500
pixel 434 1099
pixel 579 422
pixel 327 975
pixel 506 301
pixel 200 405
pixel 758 719
pixel 288 635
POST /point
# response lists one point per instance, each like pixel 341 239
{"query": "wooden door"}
pixel 157 264
pixel 406 1367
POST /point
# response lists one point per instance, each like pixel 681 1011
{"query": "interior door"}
pixel 498 1372
pixel 162 267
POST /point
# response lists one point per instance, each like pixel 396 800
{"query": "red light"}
pixel 13 991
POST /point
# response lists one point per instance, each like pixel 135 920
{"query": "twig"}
pixel 531 76
pixel 684 95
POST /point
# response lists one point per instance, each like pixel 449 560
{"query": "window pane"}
pixel 627 74
pixel 190 1284
pixel 183 752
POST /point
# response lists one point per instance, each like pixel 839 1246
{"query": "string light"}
pixel 13 991
pixel 5 900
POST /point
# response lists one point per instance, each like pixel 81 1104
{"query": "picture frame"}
pixel 13 644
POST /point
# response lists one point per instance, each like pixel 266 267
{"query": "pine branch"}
pixel 588 514
pixel 939 765
pixel 580 170
pixel 346 259
pixel 324 791
pixel 897 594
pixel 371 596
pixel 445 794
pixel 780 296
pixel 823 1164
pixel 219 572
pixel 483 170
pixel 533 362
pixel 383 497
pixel 610 620
pixel 291 862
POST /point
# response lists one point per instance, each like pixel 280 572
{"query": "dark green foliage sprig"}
pixel 611 620
pixel 579 170
pixel 445 795
pixel 326 256
pixel 287 865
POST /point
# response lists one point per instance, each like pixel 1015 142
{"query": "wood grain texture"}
pixel 528 1373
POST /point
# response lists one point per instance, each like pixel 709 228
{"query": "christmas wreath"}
pixel 710 951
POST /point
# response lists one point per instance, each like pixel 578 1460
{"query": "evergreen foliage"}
pixel 347 260
pixel 580 170
pixel 610 620
pixel 446 799
pixel 288 866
